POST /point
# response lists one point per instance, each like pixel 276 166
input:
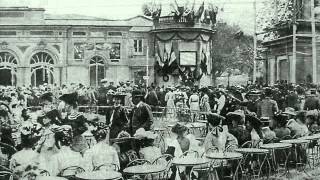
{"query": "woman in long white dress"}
pixel 27 157
pixel 66 157
pixel 194 105
pixel 179 143
pixel 169 98
pixel 47 144
pixel 204 103
pixel 101 154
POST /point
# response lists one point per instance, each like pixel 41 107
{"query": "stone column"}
pixel 271 71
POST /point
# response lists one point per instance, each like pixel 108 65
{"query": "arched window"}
pixel 96 70
pixel 41 69
pixel 8 69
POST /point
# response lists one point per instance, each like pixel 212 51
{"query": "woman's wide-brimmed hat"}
pixel 178 128
pixel 290 111
pixel 70 98
pixel 119 95
pixel 47 97
pixel 141 133
pixel 137 93
pixel 237 115
pixel 214 119
pixel 281 118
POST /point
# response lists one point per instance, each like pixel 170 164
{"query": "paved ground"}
pixel 310 174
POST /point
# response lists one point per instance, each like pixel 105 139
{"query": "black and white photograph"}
pixel 159 90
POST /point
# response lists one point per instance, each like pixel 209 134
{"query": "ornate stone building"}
pixel 294 54
pixel 38 48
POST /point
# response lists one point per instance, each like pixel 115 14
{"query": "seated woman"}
pixel 253 126
pixel 281 130
pixel 65 157
pixel 218 138
pixel 313 121
pixel 148 150
pixel 101 153
pixel 298 126
pixel 269 136
pixel 238 129
pixel 26 157
pixel 47 144
pixel 179 143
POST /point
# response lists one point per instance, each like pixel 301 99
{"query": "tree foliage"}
pixel 272 14
pixel 231 48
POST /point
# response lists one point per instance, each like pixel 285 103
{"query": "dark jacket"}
pixel 118 120
pixel 241 134
pixel 141 117
pixel 152 98
pixel 292 100
pixel 311 103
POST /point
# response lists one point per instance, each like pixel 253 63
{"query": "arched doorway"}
pixel 41 69
pixel 8 69
pixel 96 70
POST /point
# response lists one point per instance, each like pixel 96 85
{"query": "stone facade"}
pixel 37 48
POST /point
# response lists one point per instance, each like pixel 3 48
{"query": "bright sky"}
pixel 234 11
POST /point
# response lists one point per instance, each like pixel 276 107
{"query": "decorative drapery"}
pixel 186 36
pixel 167 62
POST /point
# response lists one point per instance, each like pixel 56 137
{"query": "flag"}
pixel 203 63
pixel 158 59
pixel 172 56
pixel 199 13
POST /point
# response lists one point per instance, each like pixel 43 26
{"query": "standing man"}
pixel 141 115
pixel 268 107
pixel 117 118
pixel 152 98
pixel 312 102
pixel 221 101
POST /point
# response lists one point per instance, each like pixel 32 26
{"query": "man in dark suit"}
pixel 312 102
pixel 152 98
pixel 141 115
pixel 116 117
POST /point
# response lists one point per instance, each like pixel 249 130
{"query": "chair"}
pixel 210 150
pixel 268 141
pixel 296 136
pixel 71 171
pixel 6 175
pixel 7 149
pixel 107 166
pixel 138 162
pixel 44 172
pixel 187 153
pixel 247 144
pixel 4 168
pixel 163 158
pixel 231 147
pixel 286 137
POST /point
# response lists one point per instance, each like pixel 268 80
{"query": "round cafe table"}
pixel 144 169
pixel 189 162
pixel 256 152
pixel 298 145
pixel 227 156
pixel 283 149
pixel 50 178
pixel 313 152
pixel 99 175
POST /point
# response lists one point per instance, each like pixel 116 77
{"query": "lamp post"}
pixel 229 71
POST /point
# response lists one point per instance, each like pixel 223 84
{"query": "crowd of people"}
pixel 43 129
